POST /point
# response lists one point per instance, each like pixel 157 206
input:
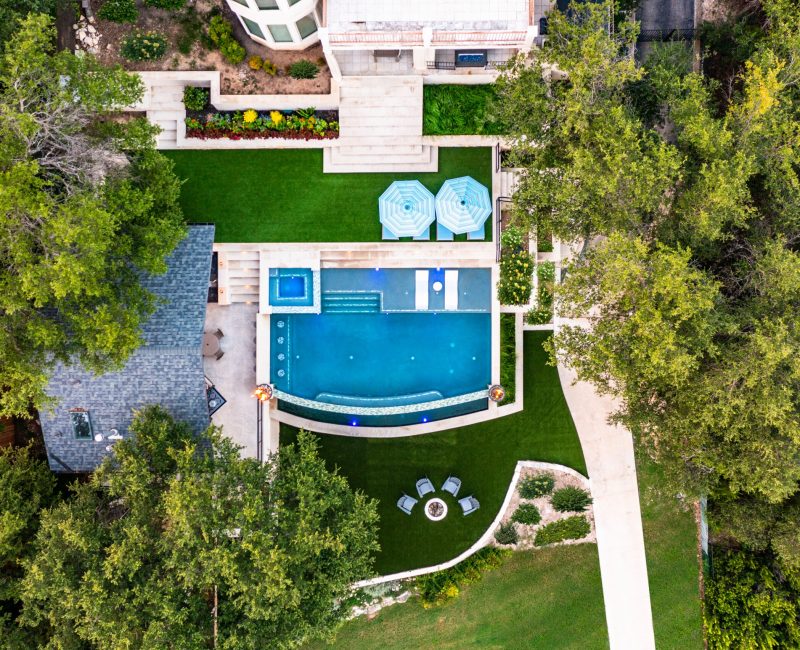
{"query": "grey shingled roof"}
pixel 166 370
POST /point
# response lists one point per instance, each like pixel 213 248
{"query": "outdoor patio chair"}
pixel 442 233
pixel 469 504
pixel 424 235
pixel 452 485
pixel 477 235
pixel 219 355
pixel 388 234
pixel 405 503
pixel 218 333
pixel 424 486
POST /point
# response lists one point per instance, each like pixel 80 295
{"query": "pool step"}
pixel 351 303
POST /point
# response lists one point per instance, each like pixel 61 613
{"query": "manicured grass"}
pixel 281 195
pixel 670 537
pixel 459 110
pixel 550 598
pixel 482 455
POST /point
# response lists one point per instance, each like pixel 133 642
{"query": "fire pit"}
pixel 436 509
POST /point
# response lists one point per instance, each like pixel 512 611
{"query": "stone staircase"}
pixel 164 102
pixel 239 282
pixel 509 180
pixel 381 127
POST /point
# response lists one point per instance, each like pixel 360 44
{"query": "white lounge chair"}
pixel 388 234
pixel 421 293
pixel 477 235
pixel 406 503
pixel 450 290
pixel 424 486
pixel 442 233
pixel 469 504
pixel 452 485
pixel 425 235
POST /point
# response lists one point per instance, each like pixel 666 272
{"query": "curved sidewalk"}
pixel 608 451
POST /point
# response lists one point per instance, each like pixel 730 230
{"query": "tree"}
pixel 26 487
pixel 177 541
pixel 12 12
pixel 588 165
pixel 87 205
pixel 686 295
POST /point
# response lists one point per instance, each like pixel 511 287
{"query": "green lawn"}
pixel 482 455
pixel 281 195
pixel 549 599
pixel 670 537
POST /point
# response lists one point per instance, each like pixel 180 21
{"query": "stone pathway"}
pixel 608 450
pixel 381 127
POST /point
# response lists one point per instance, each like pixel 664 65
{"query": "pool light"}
pixel 424 419
pixel 354 423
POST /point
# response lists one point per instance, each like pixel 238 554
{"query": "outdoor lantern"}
pixel 263 392
pixel 497 393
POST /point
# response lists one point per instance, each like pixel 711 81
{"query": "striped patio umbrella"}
pixel 406 208
pixel 463 205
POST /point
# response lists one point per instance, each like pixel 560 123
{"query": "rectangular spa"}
pixel 370 357
pixel 291 287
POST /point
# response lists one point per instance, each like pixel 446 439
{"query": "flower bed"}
pixel 304 124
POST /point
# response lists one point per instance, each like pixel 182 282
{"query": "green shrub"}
pixel 544 239
pixel 233 52
pixel 191 31
pixel 508 356
pixel 571 499
pixel 195 99
pixel 575 527
pixel 515 284
pixel 506 533
pixel 532 487
pixel 543 312
pixel 527 513
pixel 144 46
pixel 438 588
pixel 459 110
pixel 303 69
pixel 119 11
pixel 165 4
pixel 513 239
pixel 270 68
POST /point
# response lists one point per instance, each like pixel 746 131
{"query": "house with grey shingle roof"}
pixel 94 410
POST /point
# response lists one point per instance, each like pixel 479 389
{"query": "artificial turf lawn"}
pixel 281 195
pixel 482 455
pixel 549 599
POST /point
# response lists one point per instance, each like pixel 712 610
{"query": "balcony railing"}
pixel 478 37
pixel 451 65
pixel 376 38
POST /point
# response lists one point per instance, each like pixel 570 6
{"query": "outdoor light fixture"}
pixel 263 392
pixel 497 393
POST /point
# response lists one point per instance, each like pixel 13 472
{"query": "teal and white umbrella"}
pixel 463 205
pixel 406 208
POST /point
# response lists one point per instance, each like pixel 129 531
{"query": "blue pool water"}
pixel 291 287
pixel 380 359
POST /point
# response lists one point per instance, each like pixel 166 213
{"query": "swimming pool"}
pixel 379 359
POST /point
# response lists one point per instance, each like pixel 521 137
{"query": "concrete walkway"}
pixel 608 451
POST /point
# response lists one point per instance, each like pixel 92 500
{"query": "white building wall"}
pixel 275 22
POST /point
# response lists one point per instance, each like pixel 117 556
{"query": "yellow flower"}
pixel 276 117
pixel 250 116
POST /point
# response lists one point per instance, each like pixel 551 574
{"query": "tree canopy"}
pixel 86 206
pixel 687 289
pixel 178 542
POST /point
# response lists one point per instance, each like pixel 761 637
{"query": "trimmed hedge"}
pixel 575 527
pixel 508 356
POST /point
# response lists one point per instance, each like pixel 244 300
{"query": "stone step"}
pixel 348 149
pixel 334 161
pixel 371 120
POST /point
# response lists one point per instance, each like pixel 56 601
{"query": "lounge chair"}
pixel 388 234
pixel 442 233
pixel 452 485
pixel 421 290
pixel 424 486
pixel 425 235
pixel 451 290
pixel 477 235
pixel 469 504
pixel 405 503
